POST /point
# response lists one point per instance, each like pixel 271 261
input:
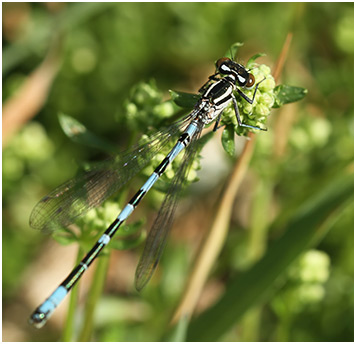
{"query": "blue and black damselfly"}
pixel 63 205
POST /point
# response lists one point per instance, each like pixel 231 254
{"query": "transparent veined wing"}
pixel 158 234
pixel 91 188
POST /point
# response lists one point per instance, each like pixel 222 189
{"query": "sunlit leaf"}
pixel 285 94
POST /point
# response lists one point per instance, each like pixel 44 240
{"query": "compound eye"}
pixel 250 81
pixel 222 65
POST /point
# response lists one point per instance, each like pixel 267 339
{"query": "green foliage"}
pixel 285 94
pixel 108 52
pixel 183 99
pixel 228 140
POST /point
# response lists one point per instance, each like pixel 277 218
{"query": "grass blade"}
pixel 312 221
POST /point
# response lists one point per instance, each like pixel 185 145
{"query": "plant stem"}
pixel 67 335
pixel 94 295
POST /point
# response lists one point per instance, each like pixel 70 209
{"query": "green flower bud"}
pixel 314 267
pixel 169 173
pixel 320 131
pixel 247 109
pixel 131 109
pixel 267 85
pixel 164 110
pixel 311 293
pixel 265 70
pixel 261 110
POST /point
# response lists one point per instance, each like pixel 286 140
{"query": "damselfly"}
pixel 63 205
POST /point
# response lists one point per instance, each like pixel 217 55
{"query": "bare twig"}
pixel 285 118
pixel 282 57
pixel 30 98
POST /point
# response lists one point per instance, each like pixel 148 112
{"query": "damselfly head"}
pixel 241 75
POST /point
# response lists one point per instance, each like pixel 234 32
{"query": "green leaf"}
pixel 251 61
pixel 228 140
pixel 232 52
pixel 78 133
pixel 285 94
pixel 183 99
pixel 311 222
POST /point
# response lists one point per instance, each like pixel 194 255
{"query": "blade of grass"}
pixel 256 244
pixel 309 225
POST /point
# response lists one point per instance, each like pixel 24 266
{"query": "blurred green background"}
pixel 94 54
